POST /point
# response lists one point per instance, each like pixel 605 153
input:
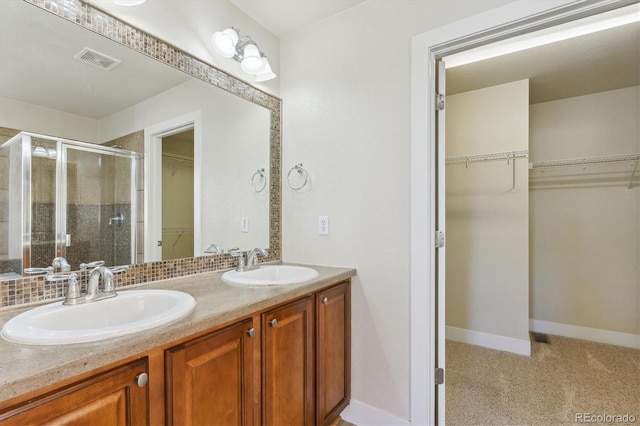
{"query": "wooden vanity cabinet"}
pixel 110 398
pixel 209 380
pixel 333 352
pixel 288 365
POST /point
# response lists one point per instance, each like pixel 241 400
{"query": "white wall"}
pixel 487 271
pixel 235 143
pixel 346 90
pixel 38 119
pixel 585 252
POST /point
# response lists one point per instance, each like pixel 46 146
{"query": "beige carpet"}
pixel 558 382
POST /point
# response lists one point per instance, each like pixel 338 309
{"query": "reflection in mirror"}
pixel 66 199
pixel 44 90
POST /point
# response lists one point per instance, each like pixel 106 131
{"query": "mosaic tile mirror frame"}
pixel 21 291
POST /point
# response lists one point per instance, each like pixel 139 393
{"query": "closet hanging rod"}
pixel 497 156
pixel 178 158
pixel 622 158
pixel 177 230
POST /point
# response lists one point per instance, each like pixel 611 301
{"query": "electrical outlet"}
pixel 244 224
pixel 323 225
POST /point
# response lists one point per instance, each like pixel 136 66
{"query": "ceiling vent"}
pixel 97 59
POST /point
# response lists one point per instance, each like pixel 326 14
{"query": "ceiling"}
pixel 38 66
pixel 596 62
pixel 284 16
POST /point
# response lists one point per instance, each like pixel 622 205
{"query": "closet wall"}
pixel 487 276
pixel 585 226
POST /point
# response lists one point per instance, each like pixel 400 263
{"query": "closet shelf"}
pixel 496 156
pixel 632 159
pixel 623 158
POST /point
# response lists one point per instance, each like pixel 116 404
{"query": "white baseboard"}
pixel 491 341
pixel 585 333
pixel 362 414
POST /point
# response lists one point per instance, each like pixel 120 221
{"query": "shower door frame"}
pixel 62 145
pixel 62 196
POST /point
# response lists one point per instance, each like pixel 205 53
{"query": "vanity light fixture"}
pixel 228 44
pixel 39 150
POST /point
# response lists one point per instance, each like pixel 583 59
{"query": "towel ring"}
pixel 301 170
pixel 259 173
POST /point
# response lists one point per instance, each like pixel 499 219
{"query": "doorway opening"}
pixel 177 195
pixel 172 176
pixel 428 177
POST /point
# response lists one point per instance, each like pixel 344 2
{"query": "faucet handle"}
pixel 240 255
pixel 37 271
pixel 91 265
pixel 107 281
pixel 212 249
pixel 117 269
pixel 73 290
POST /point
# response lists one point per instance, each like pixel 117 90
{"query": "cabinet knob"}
pixel 142 379
pixel 273 323
pixel 325 300
pixel 251 332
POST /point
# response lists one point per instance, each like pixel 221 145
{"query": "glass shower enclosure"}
pixel 66 198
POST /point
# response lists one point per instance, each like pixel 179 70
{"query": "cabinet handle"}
pixel 251 332
pixel 142 379
pixel 273 323
pixel 325 300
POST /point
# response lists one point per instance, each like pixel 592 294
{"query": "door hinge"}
pixel 438 376
pixel 439 239
pixel 440 101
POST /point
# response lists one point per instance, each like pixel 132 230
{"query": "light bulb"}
pixel 40 151
pixel 252 62
pixel 266 73
pixel 224 42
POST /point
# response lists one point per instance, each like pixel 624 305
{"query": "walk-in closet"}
pixel 543 216
pixel 543 194
pixel 542 182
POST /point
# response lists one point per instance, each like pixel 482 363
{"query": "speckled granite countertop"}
pixel 25 368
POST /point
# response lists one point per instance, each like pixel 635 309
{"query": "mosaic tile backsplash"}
pixel 37 289
pixel 28 290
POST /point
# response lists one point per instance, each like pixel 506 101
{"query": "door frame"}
pixel 153 181
pixel 504 22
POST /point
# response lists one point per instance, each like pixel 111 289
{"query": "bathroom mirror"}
pixel 234 157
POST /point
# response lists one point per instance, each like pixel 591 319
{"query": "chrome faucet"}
pixel 60 264
pixel 93 287
pixel 252 257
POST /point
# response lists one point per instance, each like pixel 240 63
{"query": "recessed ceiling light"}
pixel 580 27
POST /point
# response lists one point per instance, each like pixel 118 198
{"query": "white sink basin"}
pixel 129 312
pixel 268 275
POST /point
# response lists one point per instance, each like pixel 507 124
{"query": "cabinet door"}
pixel 287 365
pixel 111 398
pixel 333 346
pixel 210 379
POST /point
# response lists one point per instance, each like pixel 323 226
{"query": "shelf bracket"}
pixel 633 173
